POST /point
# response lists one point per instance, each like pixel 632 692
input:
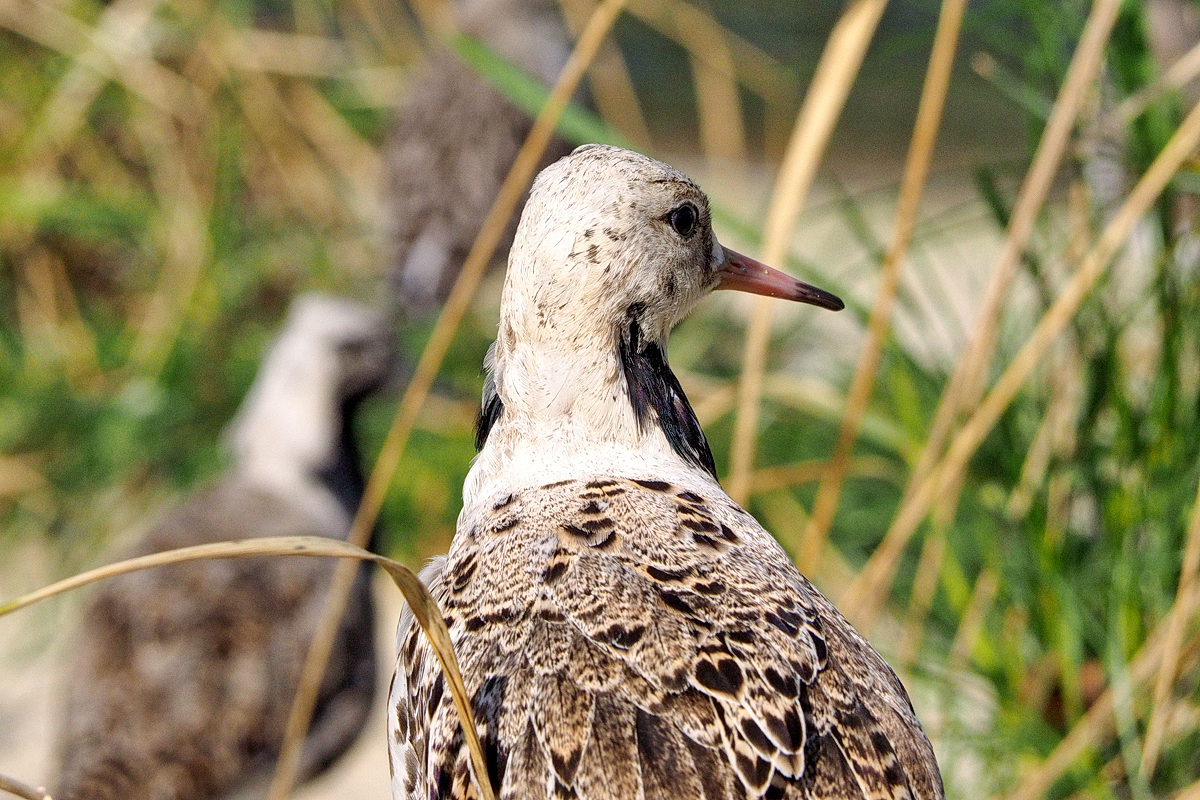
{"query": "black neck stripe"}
pixel 658 399
pixel 489 411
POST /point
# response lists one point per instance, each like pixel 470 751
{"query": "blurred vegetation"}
pixel 170 175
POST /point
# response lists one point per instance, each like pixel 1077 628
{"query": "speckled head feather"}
pixel 596 239
pixel 625 630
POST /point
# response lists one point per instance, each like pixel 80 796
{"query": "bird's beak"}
pixel 744 274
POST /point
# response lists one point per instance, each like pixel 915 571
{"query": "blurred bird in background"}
pixel 455 138
pixel 183 676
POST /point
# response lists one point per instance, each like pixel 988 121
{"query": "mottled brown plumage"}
pixel 183 676
pixel 624 628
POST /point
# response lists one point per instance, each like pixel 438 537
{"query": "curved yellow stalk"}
pixel 425 608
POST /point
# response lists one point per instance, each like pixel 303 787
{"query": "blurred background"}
pixel 173 173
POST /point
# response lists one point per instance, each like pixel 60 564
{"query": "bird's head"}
pixel 610 237
pixel 613 250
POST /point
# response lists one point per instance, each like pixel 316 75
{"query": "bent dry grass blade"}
pixel 18 789
pixel 424 607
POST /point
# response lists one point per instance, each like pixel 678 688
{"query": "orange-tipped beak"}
pixel 744 274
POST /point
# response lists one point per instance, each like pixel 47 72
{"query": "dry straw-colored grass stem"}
pixel 296 168
pixel 1191 792
pixel 1099 722
pixel 18 789
pixel 1178 75
pixel 424 607
pixel 444 329
pixel 185 212
pixel 1079 82
pixel 612 87
pixel 722 131
pixel 925 582
pixel 114 49
pixel 436 17
pixel 753 68
pixel 861 599
pixel 867 591
pixel 987 585
pixel 912 186
pixel 1189 575
pixel 836 71
pixel 786 476
pixel 48 312
pixel 692 28
pixel 290 54
pixel 352 157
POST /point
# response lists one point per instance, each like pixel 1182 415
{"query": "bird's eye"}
pixel 683 219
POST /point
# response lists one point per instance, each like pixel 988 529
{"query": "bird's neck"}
pixel 299 445
pixel 606 405
pixel 342 474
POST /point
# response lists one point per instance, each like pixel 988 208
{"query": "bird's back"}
pixel 184 675
pixel 635 639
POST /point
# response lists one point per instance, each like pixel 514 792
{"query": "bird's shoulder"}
pixel 634 638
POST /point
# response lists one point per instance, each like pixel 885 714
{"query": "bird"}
pixel 452 142
pixel 624 629
pixel 182 677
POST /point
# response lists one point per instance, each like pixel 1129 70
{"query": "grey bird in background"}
pixel 183 676
pixel 454 139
